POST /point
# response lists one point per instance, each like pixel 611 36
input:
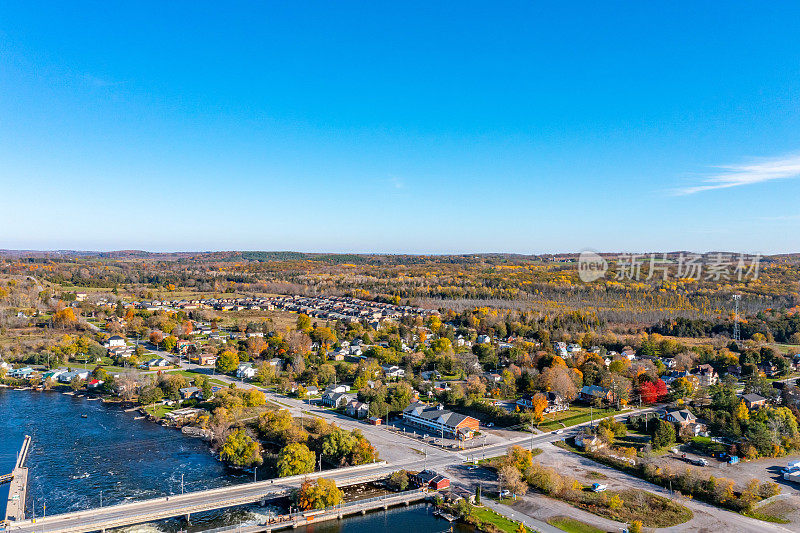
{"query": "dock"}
pixel 18 490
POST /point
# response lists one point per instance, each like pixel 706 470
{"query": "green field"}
pixel 575 415
pixel 570 525
pixel 504 524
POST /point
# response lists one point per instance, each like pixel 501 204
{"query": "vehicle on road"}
pixel 699 462
pixel 599 487
pixel 490 424
pixel 505 493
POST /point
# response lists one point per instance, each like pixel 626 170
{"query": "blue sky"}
pixel 428 127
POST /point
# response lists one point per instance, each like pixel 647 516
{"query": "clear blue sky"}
pixel 427 127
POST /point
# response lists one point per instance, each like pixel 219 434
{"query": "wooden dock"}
pixel 17 492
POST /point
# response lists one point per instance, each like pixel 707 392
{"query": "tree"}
pixel 317 494
pixel 539 405
pixel 303 322
pixel 511 479
pixel 635 527
pixel 742 413
pixel 652 392
pixel 254 398
pixel 664 434
pixel 295 459
pixel 65 317
pixel 170 343
pixel 241 450
pixel 399 480
pixel 150 394
pixel 227 362
pixel 478 495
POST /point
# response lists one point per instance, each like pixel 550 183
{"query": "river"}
pixel 74 462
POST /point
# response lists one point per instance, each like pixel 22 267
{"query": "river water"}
pixel 74 462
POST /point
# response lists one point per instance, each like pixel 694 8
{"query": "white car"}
pixel 505 493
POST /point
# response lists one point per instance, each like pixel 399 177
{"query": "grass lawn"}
pixel 575 415
pixel 570 525
pixel 159 410
pixel 504 524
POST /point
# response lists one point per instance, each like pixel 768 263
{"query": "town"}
pixel 282 382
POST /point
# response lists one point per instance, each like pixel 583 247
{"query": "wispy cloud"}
pixel 758 171
pixel 397 183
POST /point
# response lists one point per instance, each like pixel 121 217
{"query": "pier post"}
pixel 188 518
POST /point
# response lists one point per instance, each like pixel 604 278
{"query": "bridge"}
pixel 184 505
pixel 18 478
pixel 302 518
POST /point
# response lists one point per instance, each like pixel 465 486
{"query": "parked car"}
pixel 599 487
pixel 699 462
pixel 505 493
pixel 489 424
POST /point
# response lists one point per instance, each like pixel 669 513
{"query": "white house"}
pixel 115 342
pixel 245 371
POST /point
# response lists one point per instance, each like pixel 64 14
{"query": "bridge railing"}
pixel 291 517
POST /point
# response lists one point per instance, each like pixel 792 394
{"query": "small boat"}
pixel 84 416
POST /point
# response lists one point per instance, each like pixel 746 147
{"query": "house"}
pixel 430 479
pixel 276 363
pixel 337 399
pixel 439 421
pixel 768 369
pixel 483 339
pixel 206 359
pixel 183 347
pixel 115 342
pixel 337 388
pixel 51 374
pixel 357 409
pixel 629 354
pixel 375 420
pixel 706 375
pixel 590 393
pixel 735 370
pixel 682 417
pixel 23 372
pixel 67 377
pixel 493 377
pixel 189 393
pixel 428 375
pixel 245 371
pixel 312 390
pixel 158 362
pixel 555 402
pixel 754 401
pixel 393 371
pixel 94 383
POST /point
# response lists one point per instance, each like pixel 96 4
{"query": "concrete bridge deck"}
pixel 17 492
pixel 100 519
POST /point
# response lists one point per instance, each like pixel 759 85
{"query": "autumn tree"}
pixel 227 362
pixel 295 459
pixel 241 450
pixel 539 405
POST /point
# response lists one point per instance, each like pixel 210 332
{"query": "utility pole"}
pixel 737 334
pixel 531 435
pixel 181 483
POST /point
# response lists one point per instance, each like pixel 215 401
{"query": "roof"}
pixel 594 390
pixel 433 413
pixel 753 397
pixel 682 415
